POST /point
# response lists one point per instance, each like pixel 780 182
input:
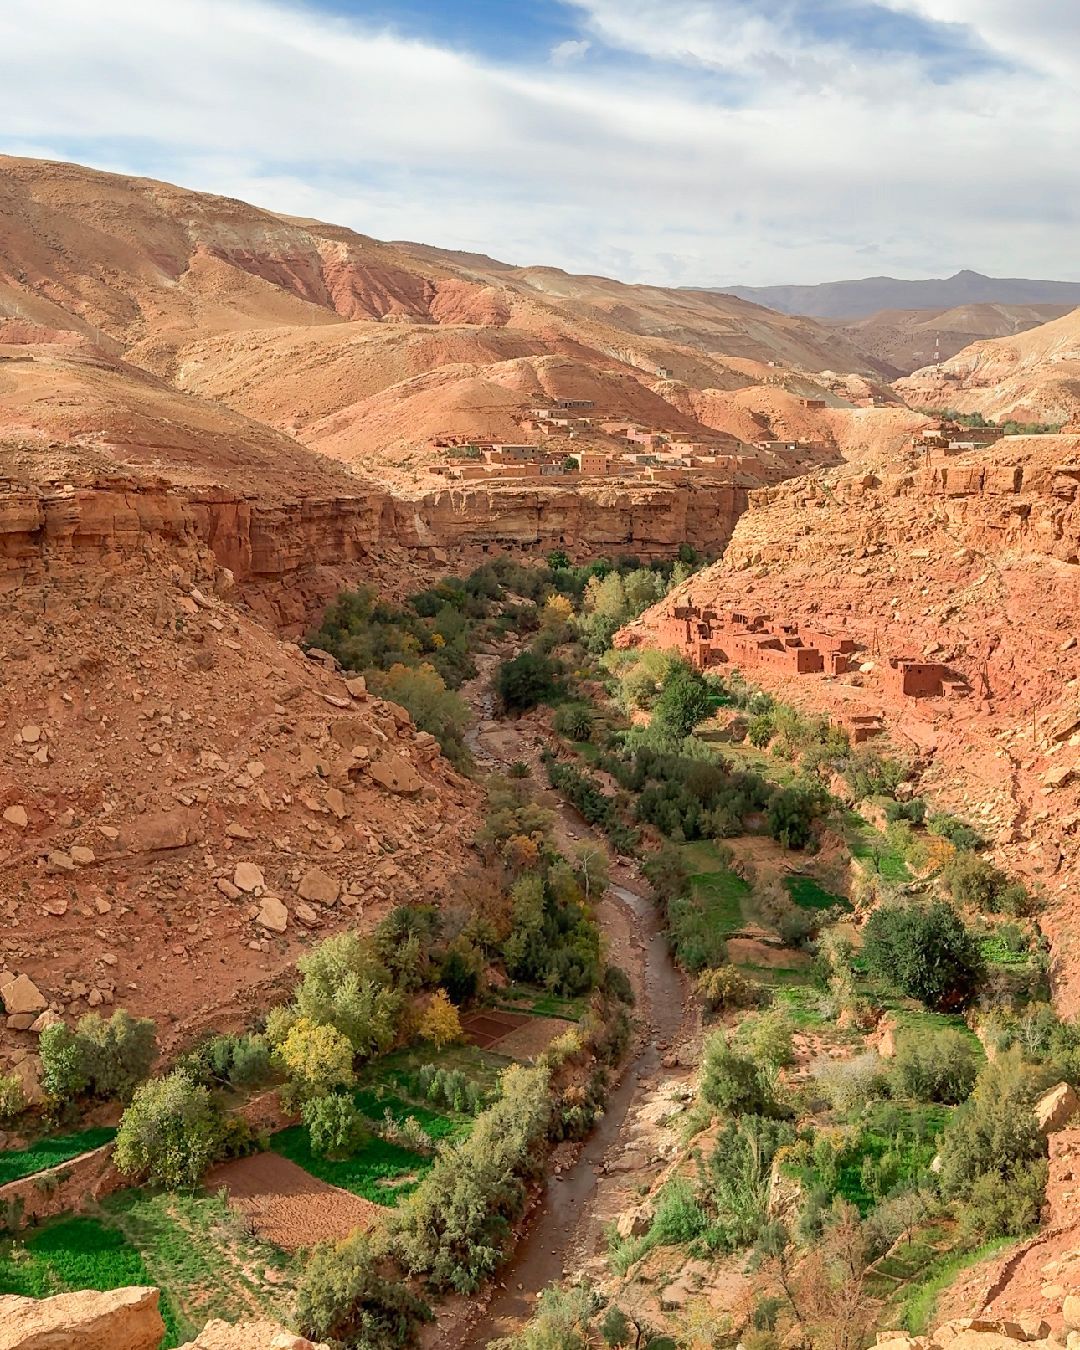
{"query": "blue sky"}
pixel 674 141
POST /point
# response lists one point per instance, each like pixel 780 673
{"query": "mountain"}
pixel 905 339
pixel 1032 377
pixel 857 299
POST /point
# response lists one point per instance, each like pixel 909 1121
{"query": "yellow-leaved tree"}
pixel 440 1021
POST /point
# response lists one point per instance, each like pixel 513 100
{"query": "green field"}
pixel 79 1253
pixel 381 1172
pixel 46 1153
pixel 397 1071
pixel 523 998
pixel 190 1246
pixel 376 1101
pixel 872 849
pixel 810 894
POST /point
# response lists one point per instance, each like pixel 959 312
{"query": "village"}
pixel 572 441
pixel 710 637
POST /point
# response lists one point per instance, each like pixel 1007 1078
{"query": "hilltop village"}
pixel 571 440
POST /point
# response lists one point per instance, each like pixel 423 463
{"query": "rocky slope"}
pixel 973 563
pixel 186 801
pixel 1033 377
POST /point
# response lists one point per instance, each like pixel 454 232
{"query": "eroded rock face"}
pixel 122 1319
pixel 218 1335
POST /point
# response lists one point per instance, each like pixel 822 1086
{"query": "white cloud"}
pixel 637 169
pixel 573 49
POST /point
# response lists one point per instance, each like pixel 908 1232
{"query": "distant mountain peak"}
pixel 869 295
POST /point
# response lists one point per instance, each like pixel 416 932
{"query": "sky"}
pixel 678 142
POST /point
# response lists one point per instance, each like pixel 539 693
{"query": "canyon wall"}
pixel 120 521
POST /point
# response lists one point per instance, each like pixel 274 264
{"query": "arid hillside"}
pixel 969 565
pixel 1033 377
pixel 907 339
pixel 366 351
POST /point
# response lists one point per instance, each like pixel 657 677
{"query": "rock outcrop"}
pixel 121 1319
pixel 218 1335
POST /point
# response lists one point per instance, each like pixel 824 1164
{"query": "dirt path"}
pixel 567 1228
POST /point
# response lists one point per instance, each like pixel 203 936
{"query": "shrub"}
pixel 575 721
pixel 169 1134
pixel 792 813
pixel 724 988
pixel 348 1294
pixel 913 811
pixel 12 1098
pixel 526 680
pixel 925 951
pixel 935 1066
pixel 996 1208
pixel 440 1022
pixel 767 1038
pixel 434 708
pixel 335 1127
pixel 992 1153
pixel 975 881
pixel 846 1083
pixel 736 1177
pixel 230 1061
pixel 317 1059
pixel 104 1059
pixel 956 831
pixel 734 1083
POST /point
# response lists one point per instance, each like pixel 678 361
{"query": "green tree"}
pixel 526 680
pixel 734 1083
pixel 792 813
pixel 349 1294
pixel 169 1134
pixel 935 1066
pixel 683 702
pixel 335 1127
pixel 345 985
pixel 317 1058
pixel 925 951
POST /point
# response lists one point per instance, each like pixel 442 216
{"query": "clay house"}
pixel 915 679
pixel 592 463
pixel 815 403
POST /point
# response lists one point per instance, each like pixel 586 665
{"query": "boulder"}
pixel 395 774
pixel 161 830
pixel 16 815
pixel 634 1223
pixel 273 914
pixel 1070 1311
pixel 121 1319
pixel 357 687
pixel 1056 1107
pixel 248 877
pixel 319 886
pixel 21 995
pixel 218 1335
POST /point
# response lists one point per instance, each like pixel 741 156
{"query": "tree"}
pixel 925 951
pixel 104 1059
pixel 440 1022
pixel 317 1058
pixel 936 1066
pixel 734 1083
pixel 346 986
pixel 335 1127
pixel 12 1098
pixel 557 559
pixel 792 813
pixel 170 1132
pixel 117 1054
pixel 526 680
pixel 683 702
pixel 423 693
pixel 349 1294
